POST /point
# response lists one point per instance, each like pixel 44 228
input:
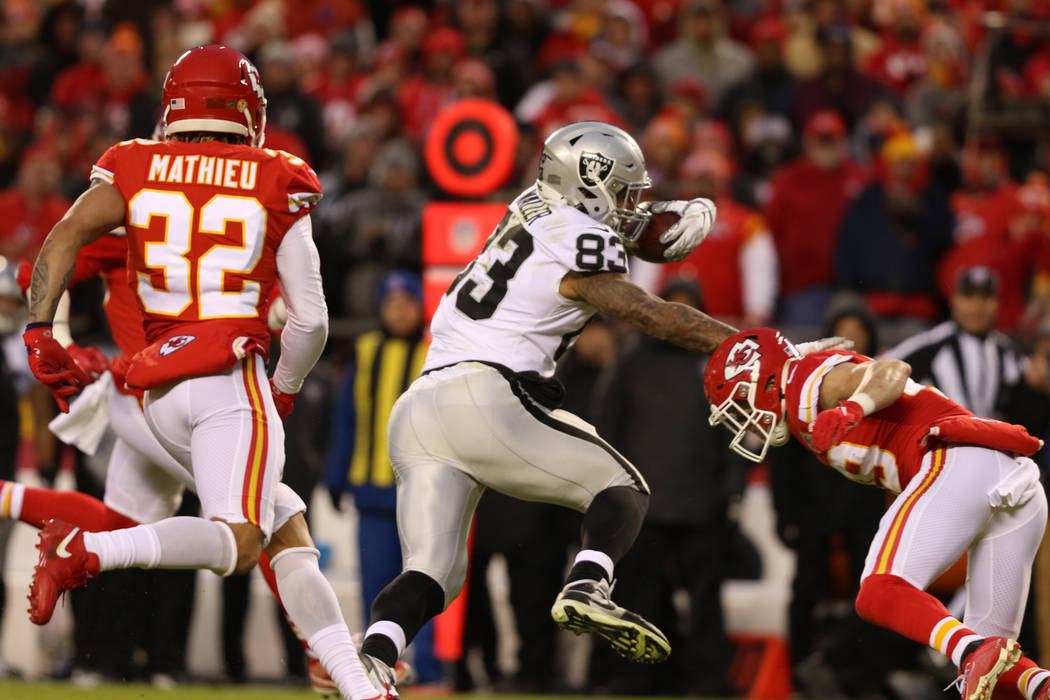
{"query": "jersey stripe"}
pixel 255 470
pixel 5 500
pixel 101 174
pixel 889 547
pixel 810 396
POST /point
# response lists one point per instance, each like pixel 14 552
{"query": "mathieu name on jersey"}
pixel 203 222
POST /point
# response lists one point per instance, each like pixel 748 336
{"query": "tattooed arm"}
pixel 615 295
pixel 96 212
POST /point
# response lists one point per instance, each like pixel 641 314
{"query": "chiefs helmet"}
pixel 214 88
pixel 744 383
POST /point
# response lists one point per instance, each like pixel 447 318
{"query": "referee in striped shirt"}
pixel 966 357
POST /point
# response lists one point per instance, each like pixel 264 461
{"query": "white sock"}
pixel 595 557
pixel 172 543
pixel 11 495
pixel 311 603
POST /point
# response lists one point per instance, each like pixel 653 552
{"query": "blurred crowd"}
pixel 875 145
pixel 865 156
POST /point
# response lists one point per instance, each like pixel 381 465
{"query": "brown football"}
pixel 648 246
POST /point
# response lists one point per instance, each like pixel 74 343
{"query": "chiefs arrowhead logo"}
pixel 741 357
pixel 174 343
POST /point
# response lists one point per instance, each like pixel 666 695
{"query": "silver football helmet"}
pixel 600 169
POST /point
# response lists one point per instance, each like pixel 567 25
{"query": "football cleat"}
pixel 384 679
pixel 982 668
pixel 320 682
pixel 586 607
pixel 64 564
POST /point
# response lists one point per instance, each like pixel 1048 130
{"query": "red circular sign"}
pixel 471 146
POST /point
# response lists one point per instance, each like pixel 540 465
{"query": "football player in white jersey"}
pixel 485 412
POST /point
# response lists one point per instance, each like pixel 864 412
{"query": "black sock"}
pixel 409 601
pixel 587 570
pixel 970 648
pixel 381 647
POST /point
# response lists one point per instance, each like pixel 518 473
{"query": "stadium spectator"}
pixel 770 84
pixel 900 62
pixel 384 362
pixel 32 206
pixel 839 85
pixel 702 51
pixel 368 232
pixel 986 207
pixel 809 197
pixel 683 544
pixel 422 96
pixel 893 234
pixel 287 106
pixel 737 268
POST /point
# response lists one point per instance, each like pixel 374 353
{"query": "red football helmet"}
pixel 214 88
pixel 744 384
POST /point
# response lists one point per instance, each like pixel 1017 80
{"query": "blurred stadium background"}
pixel 862 153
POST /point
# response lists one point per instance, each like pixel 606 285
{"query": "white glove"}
pixel 697 218
pixel 835 342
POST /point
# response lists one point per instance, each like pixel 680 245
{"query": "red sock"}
pixel 893 603
pixel 271 581
pixel 1020 682
pixel 37 506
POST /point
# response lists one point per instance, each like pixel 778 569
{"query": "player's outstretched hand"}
pixel 284 402
pixel 52 365
pixel 89 359
pixel 696 219
pixel 835 342
pixel 832 425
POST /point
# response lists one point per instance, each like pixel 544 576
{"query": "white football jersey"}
pixel 504 307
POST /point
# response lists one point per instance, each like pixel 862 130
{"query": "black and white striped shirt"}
pixel 978 372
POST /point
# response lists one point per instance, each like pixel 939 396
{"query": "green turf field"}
pixel 18 690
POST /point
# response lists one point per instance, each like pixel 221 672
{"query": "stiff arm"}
pixel 615 295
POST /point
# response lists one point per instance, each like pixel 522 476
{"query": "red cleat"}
pixel 64 564
pixel 982 668
pixel 320 681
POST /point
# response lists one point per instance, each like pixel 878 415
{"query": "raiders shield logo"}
pixel 741 357
pixel 594 168
pixel 174 343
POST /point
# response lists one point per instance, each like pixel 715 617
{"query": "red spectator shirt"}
pixel 804 212
pixel 885 448
pixel 24 226
pixel 716 265
pixel 204 221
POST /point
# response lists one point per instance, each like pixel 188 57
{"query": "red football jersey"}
pixel 108 257
pixel 885 448
pixel 203 222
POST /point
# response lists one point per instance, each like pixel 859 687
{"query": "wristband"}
pixel 38 324
pixel 866 403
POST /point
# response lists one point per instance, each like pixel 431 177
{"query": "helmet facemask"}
pixel 739 413
pixel 626 215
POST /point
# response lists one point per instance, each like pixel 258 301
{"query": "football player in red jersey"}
pixel 963 484
pixel 213 221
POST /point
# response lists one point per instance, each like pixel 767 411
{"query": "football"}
pixel 648 246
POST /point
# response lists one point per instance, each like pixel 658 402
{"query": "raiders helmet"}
pixel 600 169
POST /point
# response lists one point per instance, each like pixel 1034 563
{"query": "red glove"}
pixel 284 402
pixel 89 359
pixel 831 425
pixel 52 365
